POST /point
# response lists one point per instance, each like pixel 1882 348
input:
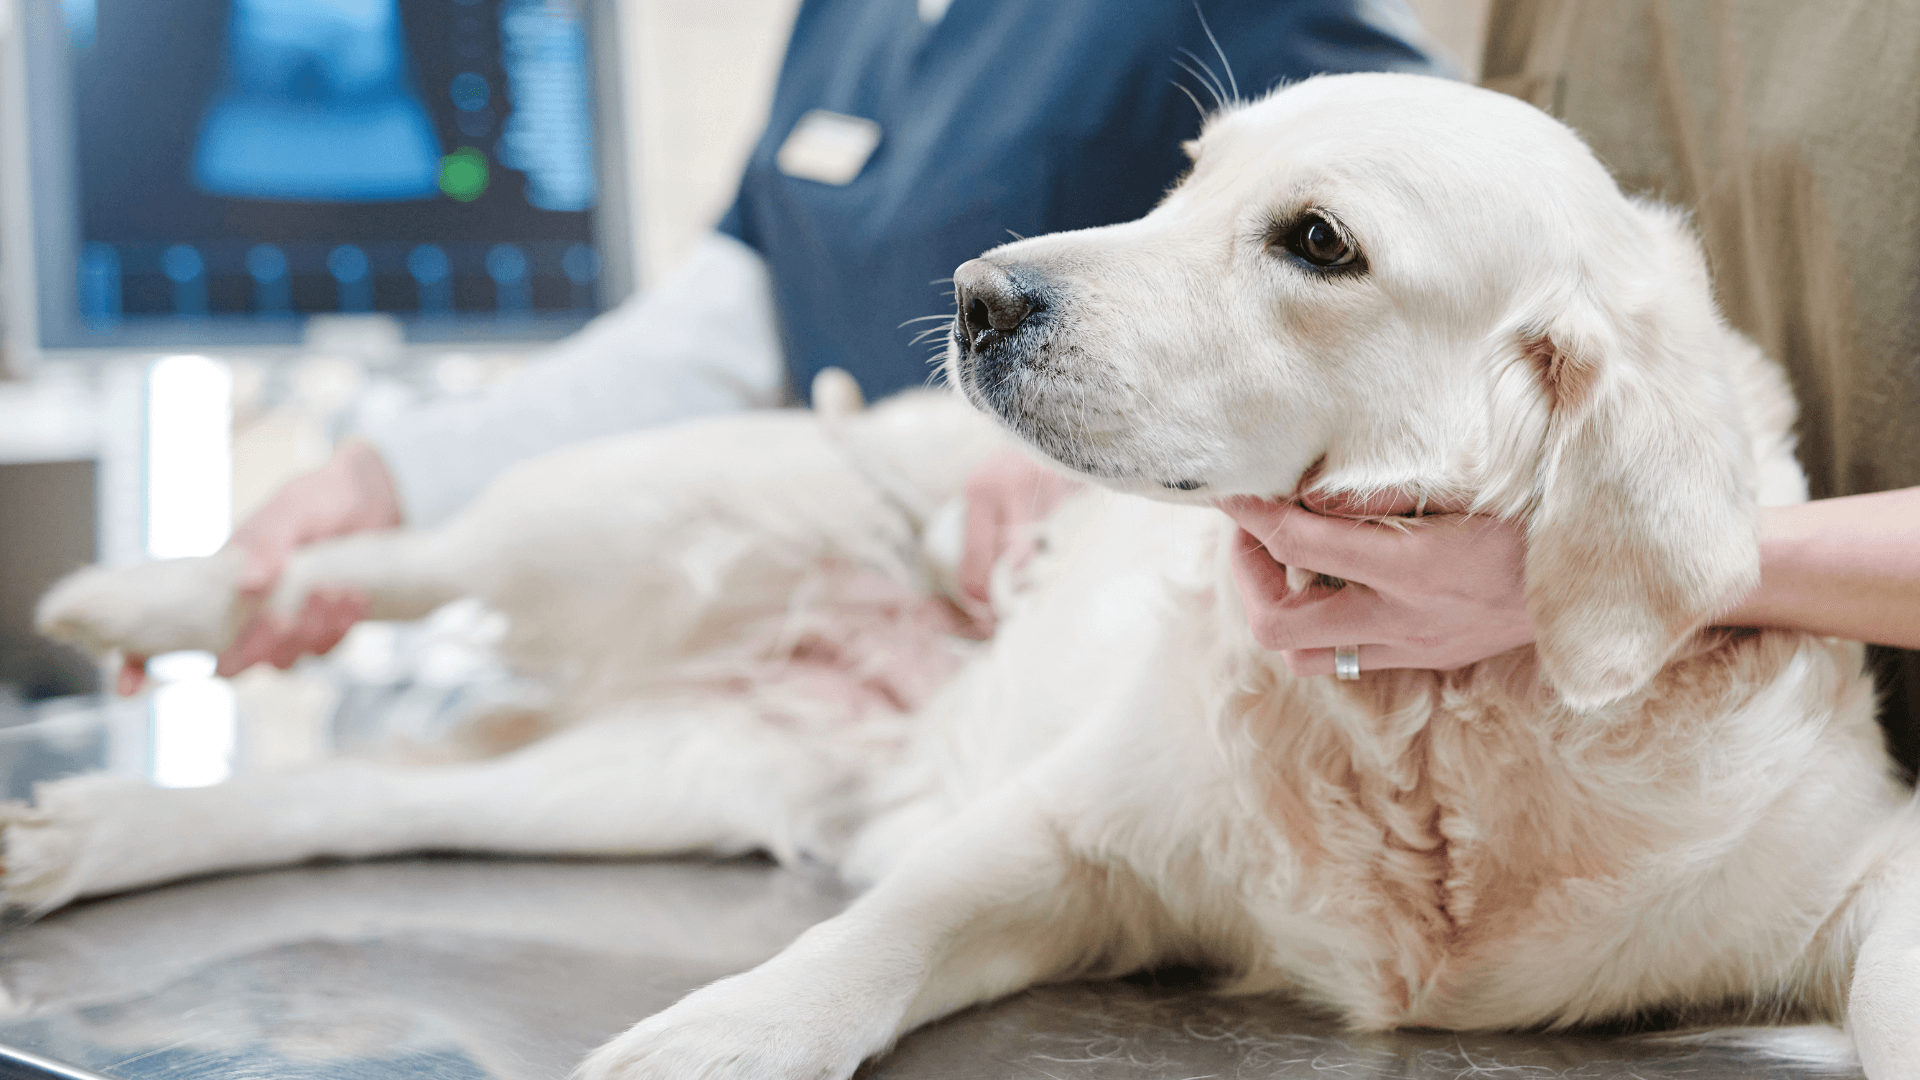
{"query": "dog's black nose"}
pixel 989 299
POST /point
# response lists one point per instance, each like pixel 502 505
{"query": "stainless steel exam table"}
pixel 471 969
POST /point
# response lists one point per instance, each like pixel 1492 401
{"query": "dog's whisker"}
pixel 945 316
pixel 1225 63
pixel 1205 83
pixel 1214 83
pixel 1202 71
pixel 1199 108
pixel 1206 78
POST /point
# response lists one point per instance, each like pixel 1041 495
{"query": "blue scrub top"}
pixel 1005 117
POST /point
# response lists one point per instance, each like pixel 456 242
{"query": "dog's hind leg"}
pixel 711 778
pixel 987 905
pixel 149 608
pixel 196 603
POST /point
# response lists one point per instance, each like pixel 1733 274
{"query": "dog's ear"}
pixel 1644 521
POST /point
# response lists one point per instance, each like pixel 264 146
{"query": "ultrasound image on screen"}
pixel 318 104
pixel 264 159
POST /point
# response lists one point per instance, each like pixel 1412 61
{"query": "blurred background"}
pixel 235 229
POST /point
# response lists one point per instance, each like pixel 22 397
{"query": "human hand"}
pixel 1007 495
pixel 351 493
pixel 1441 591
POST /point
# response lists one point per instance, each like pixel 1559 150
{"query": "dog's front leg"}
pixel 1883 1002
pixel 711 779
pixel 985 906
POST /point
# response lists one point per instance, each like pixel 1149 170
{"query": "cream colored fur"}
pixel 1637 815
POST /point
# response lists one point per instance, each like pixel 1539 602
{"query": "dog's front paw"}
pixel 48 852
pixel 99 833
pixel 148 609
pixel 38 853
pixel 733 1031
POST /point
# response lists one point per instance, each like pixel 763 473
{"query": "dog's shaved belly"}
pixel 848 639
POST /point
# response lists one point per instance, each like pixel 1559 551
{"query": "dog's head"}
pixel 1373 282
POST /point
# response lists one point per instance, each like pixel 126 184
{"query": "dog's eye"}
pixel 1314 239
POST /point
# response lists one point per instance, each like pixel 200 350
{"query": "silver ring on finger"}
pixel 1346 662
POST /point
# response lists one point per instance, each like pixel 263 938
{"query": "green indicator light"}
pixel 463 174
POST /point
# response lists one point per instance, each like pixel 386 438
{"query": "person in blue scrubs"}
pixel 905 137
pixel 1001 119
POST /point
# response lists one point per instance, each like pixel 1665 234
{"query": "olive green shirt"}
pixel 1791 128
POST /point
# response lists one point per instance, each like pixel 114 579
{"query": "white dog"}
pixel 1367 281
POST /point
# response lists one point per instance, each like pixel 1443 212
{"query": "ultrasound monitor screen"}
pixel 232 166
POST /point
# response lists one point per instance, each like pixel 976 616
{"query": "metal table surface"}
pixel 481 968
pixel 475 969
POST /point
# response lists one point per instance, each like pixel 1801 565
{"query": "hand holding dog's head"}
pixel 1409 284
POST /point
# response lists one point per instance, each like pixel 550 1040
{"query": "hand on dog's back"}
pixel 1007 495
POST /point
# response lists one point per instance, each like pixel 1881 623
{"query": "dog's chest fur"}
pixel 1456 850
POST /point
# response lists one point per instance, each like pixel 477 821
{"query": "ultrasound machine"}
pixel 208 174
pixel 193 191
pixel 228 230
